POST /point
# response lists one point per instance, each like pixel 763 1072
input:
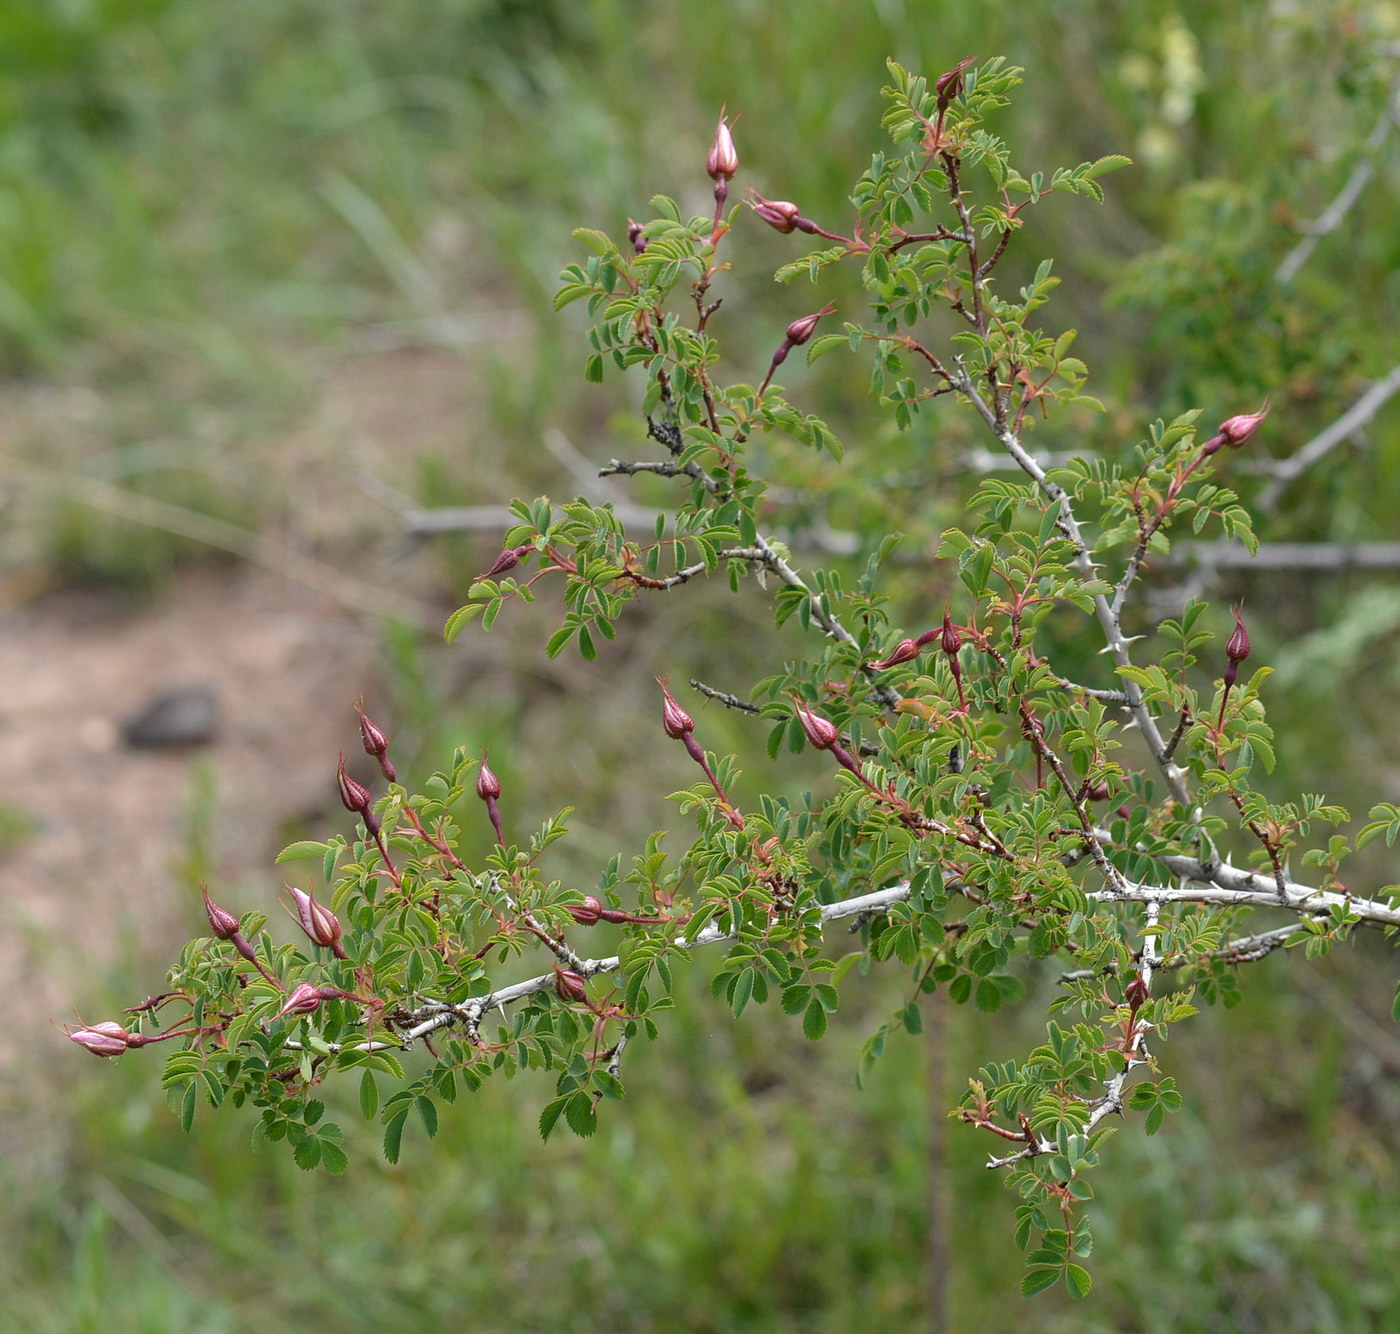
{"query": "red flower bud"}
pixel 950 85
pixel 488 786
pixel 303 999
pixel 354 796
pixel 569 986
pixel 799 331
pixel 510 557
pixel 1097 791
pixel 1135 993
pixel 587 912
pixel 634 235
pixel 674 719
pixel 221 922
pixel 1237 648
pixel 375 742
pixel 1237 430
pixel 319 922
pixel 902 652
pixel 723 160
pixel 821 732
pixel 950 637
pixel 105 1039
pixel 779 214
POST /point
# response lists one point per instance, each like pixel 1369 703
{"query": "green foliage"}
pixel 984 808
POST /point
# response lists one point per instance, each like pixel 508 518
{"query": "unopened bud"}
pixel 723 161
pixel 904 651
pixel 634 235
pixel 780 214
pixel 1236 647
pixel 354 796
pixel 674 719
pixel 510 557
pixel 319 922
pixel 950 85
pixel 950 638
pixel 821 732
pixel 1237 430
pixel 569 986
pixel 1136 993
pixel 221 922
pixel 488 786
pixel 302 999
pixel 1097 791
pixel 105 1039
pixel 587 912
pixel 799 331
pixel 375 742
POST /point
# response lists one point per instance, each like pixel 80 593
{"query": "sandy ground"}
pixel 102 845
pixel 101 842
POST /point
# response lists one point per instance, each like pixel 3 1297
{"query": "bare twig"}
pixel 1331 217
pixel 255 548
pixel 724 697
pixel 1351 421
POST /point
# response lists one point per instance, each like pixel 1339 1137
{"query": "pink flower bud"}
pixel 488 786
pixel 375 742
pixel 950 85
pixel 674 719
pixel 319 922
pixel 510 557
pixel 1236 647
pixel 634 235
pixel 799 331
pixel 779 214
pixel 1237 430
pixel 221 922
pixel 303 999
pixel 105 1039
pixel 354 796
pixel 723 160
pixel 587 912
pixel 904 651
pixel 569 986
pixel 821 732
pixel 950 638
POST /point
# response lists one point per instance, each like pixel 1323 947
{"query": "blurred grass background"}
pixel 209 215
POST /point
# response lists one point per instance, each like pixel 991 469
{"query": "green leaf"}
pixel 369 1095
pixel 333 1158
pixel 814 1021
pixel 1078 1282
pixel 307 1154
pixel 393 1134
pixel 550 1116
pixel 579 1113
pixel 1037 1280
pixel 187 1106
pixel 596 241
pixel 460 619
pixel 295 852
pixel 1107 164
